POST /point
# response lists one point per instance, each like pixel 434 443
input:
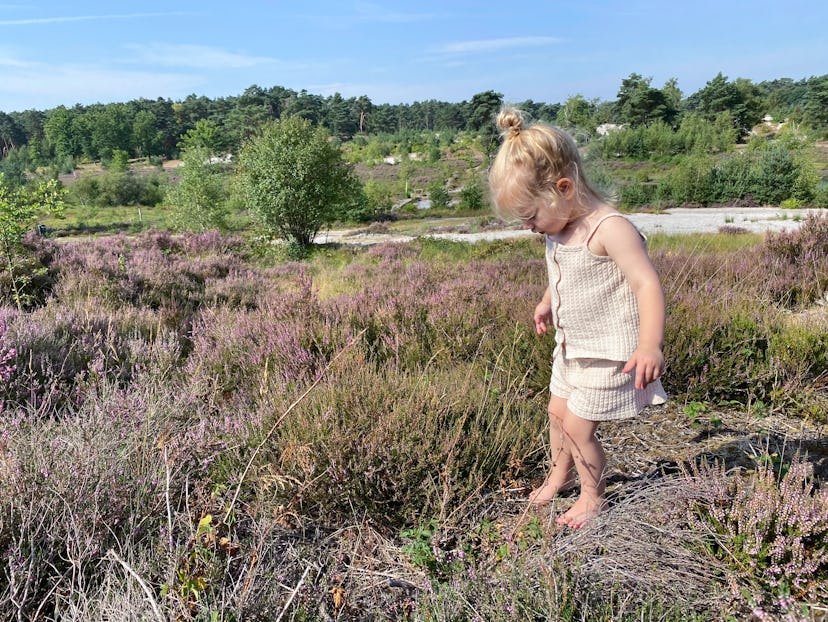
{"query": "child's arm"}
pixel 624 245
pixel 543 313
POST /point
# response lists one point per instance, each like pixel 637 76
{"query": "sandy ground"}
pixel 672 221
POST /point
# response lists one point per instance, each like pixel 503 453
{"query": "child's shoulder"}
pixel 614 232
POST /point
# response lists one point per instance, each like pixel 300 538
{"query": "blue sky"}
pixel 88 51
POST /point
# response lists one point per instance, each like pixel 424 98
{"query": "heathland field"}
pixel 196 428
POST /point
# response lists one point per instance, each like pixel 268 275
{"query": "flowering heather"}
pixel 730 333
pixel 156 369
pixel 771 529
pixel 7 354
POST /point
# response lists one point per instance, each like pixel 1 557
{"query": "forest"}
pixel 62 136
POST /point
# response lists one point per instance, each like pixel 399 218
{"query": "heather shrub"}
pixel 748 345
pixel 35 276
pixel 396 448
pixel 127 474
pixel 716 354
pixel 771 529
pixel 796 263
pixel 71 488
pixel 58 349
pixel 7 354
pixel 284 338
pixel 162 367
pixel 172 276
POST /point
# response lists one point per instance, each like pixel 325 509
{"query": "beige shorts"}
pixel 597 389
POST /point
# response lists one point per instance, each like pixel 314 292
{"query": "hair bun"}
pixel 510 121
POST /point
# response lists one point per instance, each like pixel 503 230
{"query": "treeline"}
pixel 60 137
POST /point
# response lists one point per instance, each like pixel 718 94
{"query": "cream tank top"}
pixel 594 310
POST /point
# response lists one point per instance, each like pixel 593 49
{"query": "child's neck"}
pixel 583 219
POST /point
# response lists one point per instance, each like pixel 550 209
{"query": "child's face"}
pixel 548 217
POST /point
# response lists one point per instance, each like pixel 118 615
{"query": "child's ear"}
pixel 566 187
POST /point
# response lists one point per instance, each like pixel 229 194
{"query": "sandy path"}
pixel 672 221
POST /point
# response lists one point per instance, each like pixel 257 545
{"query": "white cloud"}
pixel 9 61
pixel 494 45
pixel 196 56
pixel 81 18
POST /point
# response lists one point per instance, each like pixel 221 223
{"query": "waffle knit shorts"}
pixel 597 389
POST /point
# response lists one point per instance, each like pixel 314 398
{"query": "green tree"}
pixel 11 134
pixel 243 121
pixel 363 108
pixel 777 176
pixel 111 129
pixel 119 162
pixel 483 109
pixel 338 117
pixel 145 134
pixel 578 112
pixel 19 209
pixel 295 179
pixel 640 104
pixel 200 198
pixel 206 135
pixel 60 130
pixel 740 98
pixel 672 94
pixel 816 104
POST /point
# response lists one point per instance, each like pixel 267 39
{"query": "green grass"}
pixel 696 243
pixel 85 219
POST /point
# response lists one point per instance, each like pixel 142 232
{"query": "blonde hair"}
pixel 530 161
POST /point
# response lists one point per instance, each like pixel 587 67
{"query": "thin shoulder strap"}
pixel 598 224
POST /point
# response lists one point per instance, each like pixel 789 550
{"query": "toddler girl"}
pixel 604 301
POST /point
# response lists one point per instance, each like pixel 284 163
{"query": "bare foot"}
pixel 551 487
pixel 582 511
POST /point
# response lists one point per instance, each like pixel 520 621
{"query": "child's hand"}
pixel 543 317
pixel 648 364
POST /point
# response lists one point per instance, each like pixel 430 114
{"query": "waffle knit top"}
pixel 594 310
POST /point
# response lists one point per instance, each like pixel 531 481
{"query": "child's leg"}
pixel 562 470
pixel 590 462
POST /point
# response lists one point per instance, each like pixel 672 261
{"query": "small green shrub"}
pixel 471 197
pixel 777 175
pixel 438 194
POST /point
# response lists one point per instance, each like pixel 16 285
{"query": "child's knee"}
pixel 578 429
pixel 557 411
pixel 556 417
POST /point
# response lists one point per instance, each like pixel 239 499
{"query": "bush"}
pixel 746 346
pixel 471 197
pixel 690 181
pixel 731 179
pixel 821 196
pixel 777 175
pixel 771 529
pixel 295 179
pixel 200 198
pixel 438 194
pixel 118 188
